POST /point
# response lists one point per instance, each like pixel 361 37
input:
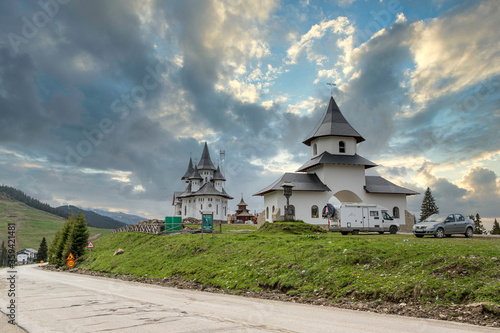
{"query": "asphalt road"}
pixel 63 302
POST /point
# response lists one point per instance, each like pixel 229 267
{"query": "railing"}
pixel 155 227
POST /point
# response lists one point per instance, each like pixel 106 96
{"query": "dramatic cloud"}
pixel 103 103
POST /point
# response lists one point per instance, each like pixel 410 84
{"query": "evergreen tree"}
pixel 478 225
pixel 4 255
pixel 72 238
pixel 428 205
pixel 80 236
pixel 53 247
pixel 496 228
pixel 42 251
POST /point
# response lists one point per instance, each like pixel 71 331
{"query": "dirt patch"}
pixel 484 314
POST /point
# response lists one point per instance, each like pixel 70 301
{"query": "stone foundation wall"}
pixel 410 221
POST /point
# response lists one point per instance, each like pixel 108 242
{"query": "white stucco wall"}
pixel 343 177
pixel 197 204
pixel 303 202
pixel 331 144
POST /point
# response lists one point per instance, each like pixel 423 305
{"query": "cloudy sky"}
pixel 103 102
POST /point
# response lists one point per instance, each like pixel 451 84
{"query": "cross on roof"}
pixel 331 84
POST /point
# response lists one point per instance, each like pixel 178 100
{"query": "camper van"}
pixel 359 217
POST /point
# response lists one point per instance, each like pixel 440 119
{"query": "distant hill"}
pixel 94 219
pixel 18 195
pixel 120 216
pixel 32 224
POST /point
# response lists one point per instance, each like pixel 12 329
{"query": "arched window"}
pixel 314 211
pixel 315 149
pixel 341 147
pixel 185 210
pixel 395 212
pixel 272 212
pixel 267 212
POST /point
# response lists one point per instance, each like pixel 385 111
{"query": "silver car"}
pixel 444 225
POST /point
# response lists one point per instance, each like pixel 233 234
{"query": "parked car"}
pixel 444 225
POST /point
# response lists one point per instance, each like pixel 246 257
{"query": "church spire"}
pixel 333 124
pixel 189 170
pixel 205 161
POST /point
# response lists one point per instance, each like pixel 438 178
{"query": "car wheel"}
pixel 393 229
pixel 469 232
pixel 439 233
pixel 381 232
pixel 344 233
pixel 419 236
pixel 355 232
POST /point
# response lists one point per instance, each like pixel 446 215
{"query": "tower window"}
pixel 315 149
pixel 341 147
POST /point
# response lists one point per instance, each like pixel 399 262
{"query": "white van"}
pixel 359 217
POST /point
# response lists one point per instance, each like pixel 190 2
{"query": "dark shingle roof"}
pixel 301 182
pixel 327 158
pixel 333 124
pixel 218 175
pixel 186 193
pixel 176 197
pixel 189 170
pixel 377 184
pixel 195 174
pixel 209 189
pixel 205 161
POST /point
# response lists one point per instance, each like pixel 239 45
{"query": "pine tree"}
pixel 478 225
pixel 72 238
pixel 42 251
pixel 496 228
pixel 4 255
pixel 53 247
pixel 428 205
pixel 80 236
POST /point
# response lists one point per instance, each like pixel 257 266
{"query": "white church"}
pixel 335 169
pixel 204 193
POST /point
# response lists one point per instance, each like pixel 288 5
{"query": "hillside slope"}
pixel 94 219
pixel 32 224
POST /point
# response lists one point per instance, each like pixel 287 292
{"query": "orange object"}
pixel 70 263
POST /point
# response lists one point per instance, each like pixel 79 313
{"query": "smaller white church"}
pixel 204 193
pixel 335 169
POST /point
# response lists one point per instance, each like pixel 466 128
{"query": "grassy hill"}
pixel 369 267
pixel 32 224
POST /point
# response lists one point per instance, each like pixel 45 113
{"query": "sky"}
pixel 102 103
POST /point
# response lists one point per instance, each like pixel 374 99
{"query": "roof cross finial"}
pixel 331 84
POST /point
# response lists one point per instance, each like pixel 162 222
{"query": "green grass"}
pixel 32 224
pixel 287 227
pixel 396 268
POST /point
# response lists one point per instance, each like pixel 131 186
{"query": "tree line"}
pixel 429 208
pixel 32 202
